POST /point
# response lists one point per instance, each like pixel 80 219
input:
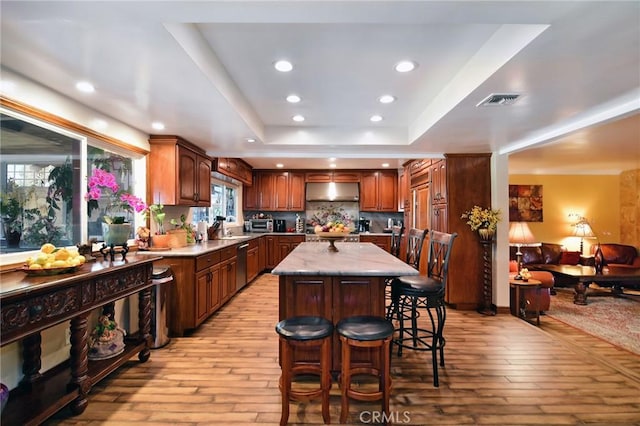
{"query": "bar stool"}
pixel 365 332
pixel 305 332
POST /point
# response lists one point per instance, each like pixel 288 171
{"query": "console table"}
pixel 29 305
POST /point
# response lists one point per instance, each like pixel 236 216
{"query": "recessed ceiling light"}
pixel 405 66
pixel 283 66
pixel 332 159
pixel 297 118
pixel 376 118
pixel 385 164
pixel 386 99
pixel 85 86
pixel 157 125
pixel 332 165
pixel 250 140
pixel 279 165
pixel 294 99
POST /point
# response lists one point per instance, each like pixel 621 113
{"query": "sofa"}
pixel 549 254
pixel 619 255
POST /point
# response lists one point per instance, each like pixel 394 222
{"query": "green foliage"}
pixel 60 188
pixel 42 228
pixel 186 226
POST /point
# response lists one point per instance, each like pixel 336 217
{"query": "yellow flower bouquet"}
pixel 480 218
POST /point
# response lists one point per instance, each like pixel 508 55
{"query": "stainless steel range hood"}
pixel 332 191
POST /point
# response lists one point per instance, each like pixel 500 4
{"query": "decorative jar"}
pixel 116 233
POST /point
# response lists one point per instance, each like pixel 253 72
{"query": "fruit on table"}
pixel 332 227
pixel 52 257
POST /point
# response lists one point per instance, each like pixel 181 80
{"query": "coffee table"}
pixel 585 275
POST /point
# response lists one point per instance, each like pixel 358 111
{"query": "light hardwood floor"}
pixel 499 370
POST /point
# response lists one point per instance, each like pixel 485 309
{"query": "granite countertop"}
pixel 352 259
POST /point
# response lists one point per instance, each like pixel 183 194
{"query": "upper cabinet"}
pixel 275 191
pixel 438 171
pixel 178 173
pixel 333 176
pixel 379 191
pixel 235 168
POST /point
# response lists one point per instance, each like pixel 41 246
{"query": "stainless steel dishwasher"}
pixel 241 269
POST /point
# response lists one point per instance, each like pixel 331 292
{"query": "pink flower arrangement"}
pixel 119 201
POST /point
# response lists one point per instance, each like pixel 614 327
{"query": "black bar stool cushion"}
pixel 419 282
pixel 365 328
pixel 304 328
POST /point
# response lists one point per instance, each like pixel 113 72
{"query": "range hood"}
pixel 332 191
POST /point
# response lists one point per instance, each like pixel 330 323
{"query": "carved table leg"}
pixel 79 362
pixel 580 298
pixel 144 322
pixel 31 364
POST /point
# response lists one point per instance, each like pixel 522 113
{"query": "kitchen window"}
pixel 225 198
pixel 43 179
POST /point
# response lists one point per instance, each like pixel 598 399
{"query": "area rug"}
pixel 614 319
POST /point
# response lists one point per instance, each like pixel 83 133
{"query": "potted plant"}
pixel 12 203
pixel 160 239
pixel 183 227
pixel 115 229
pixel 485 221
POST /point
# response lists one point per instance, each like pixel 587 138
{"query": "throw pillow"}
pixel 569 258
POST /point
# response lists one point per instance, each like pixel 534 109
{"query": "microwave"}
pixel 261 225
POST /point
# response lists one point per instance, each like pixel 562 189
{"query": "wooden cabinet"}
pixel 438 171
pixel 253 260
pixel 202 284
pixel 275 191
pixel 178 173
pixel 235 168
pixel 379 191
pixel 279 246
pixel 288 191
pixel 333 176
pixel 262 254
pixel 459 182
pixel 382 241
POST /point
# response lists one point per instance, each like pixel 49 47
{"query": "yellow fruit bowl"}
pixel 332 234
pixel 50 271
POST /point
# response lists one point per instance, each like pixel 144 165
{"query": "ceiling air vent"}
pixel 499 99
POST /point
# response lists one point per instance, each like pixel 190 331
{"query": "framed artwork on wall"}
pixel 525 203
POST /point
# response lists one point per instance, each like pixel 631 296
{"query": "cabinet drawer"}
pixel 253 244
pixel 207 260
pixel 228 252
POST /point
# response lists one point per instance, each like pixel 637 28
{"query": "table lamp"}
pixel 519 235
pixel 583 230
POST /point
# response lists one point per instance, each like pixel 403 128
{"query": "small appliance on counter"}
pixel 261 225
pixel 364 225
pixel 279 225
pixel 247 226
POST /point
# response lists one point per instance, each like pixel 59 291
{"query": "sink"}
pixel 232 237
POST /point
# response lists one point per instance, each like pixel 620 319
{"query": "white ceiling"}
pixel 205 69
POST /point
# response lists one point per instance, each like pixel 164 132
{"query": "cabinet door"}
pixel 318 177
pixel 267 189
pixel 273 251
pixel 369 192
pixel 383 242
pixel 203 279
pixel 281 191
pixel 203 190
pixel 346 176
pixel 296 191
pixel 252 264
pixel 439 182
pixel 215 290
pixel 262 254
pixel 422 207
pixel 387 191
pixel 227 276
pixel 251 194
pixel 187 166
pixel 439 220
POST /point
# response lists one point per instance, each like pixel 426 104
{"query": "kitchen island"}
pixel 336 285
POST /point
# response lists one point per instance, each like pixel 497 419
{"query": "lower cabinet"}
pixel 279 246
pixel 382 241
pixel 202 284
pixel 253 260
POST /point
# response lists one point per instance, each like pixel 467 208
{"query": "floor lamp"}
pixel 519 235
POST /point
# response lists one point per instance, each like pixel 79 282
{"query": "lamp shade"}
pixel 519 233
pixel 582 229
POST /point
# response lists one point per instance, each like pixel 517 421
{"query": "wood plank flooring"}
pixel 499 370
